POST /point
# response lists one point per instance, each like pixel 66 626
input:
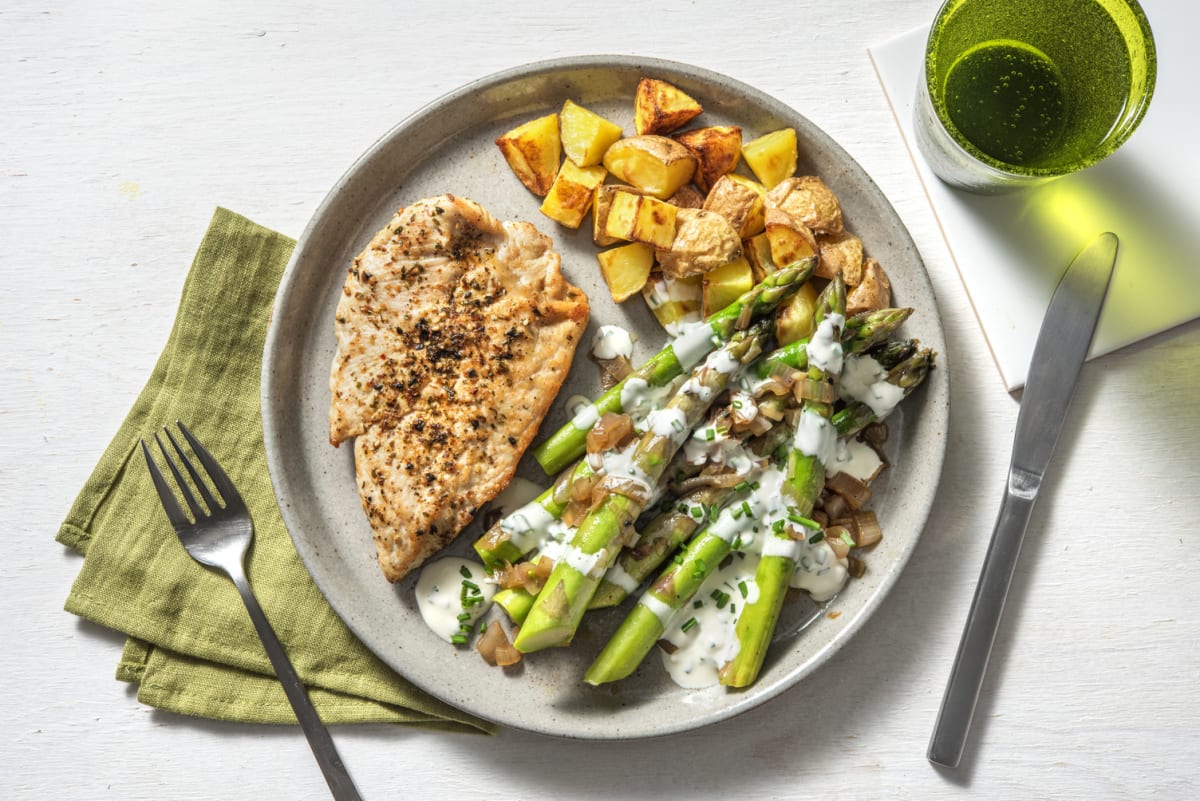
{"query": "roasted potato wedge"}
pixel 585 134
pixel 739 203
pixel 772 157
pixel 808 199
pixel 659 107
pixel 641 218
pixel 790 239
pixel 687 197
pixel 601 201
pixel 626 268
pixel 654 163
pixel 571 194
pixel 794 321
pixel 704 241
pixel 674 302
pixel 717 150
pixel 840 253
pixel 533 151
pixel 758 251
pixel 873 292
pixel 725 284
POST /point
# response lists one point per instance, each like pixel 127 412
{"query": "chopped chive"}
pixel 458 639
pixel 846 538
pixel 754 485
pixel 741 486
pixel 817 537
pixel 743 589
pixel 464 617
pixel 803 521
pixel 737 512
pixel 465 572
pixel 697 604
pixel 746 508
pixel 710 434
pixel 690 624
pixel 721 597
pixel 737 404
pixel 777 526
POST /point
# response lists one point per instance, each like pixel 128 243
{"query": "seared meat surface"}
pixel 454 333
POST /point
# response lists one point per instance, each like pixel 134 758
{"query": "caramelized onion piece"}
pixel 613 371
pixel 495 648
pixel 610 431
pixel 833 536
pixel 869 531
pixel 855 492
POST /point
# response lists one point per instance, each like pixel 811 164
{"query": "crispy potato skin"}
pixel 807 198
pixel 533 151
pixel 659 107
pixel 687 197
pixel 717 150
pixel 843 253
pixel 874 292
pixel 739 203
pixel 704 241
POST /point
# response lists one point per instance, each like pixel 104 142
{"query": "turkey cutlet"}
pixel 454 333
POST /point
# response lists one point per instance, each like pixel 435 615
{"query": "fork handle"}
pixel 340 783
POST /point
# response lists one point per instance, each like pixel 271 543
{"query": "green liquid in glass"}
pixel 1007 98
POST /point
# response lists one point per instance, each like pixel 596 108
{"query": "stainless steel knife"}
pixel 1062 345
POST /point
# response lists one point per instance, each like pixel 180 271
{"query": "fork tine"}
pixel 201 485
pixel 197 512
pixel 165 495
pixel 229 492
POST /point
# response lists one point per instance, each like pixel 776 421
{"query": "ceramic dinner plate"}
pixel 449 147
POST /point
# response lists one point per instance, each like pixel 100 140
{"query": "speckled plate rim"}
pixel 290 463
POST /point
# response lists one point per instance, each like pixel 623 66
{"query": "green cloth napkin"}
pixel 192 648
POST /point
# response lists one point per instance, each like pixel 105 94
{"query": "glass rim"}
pixel 1127 122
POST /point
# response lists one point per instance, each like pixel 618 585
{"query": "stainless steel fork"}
pixel 218 535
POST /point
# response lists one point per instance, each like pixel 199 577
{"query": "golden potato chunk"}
pixel 654 163
pixel 790 239
pixel 570 195
pixel 659 107
pixel 840 253
pixel 626 268
pixel 758 250
pixel 641 218
pixel 533 151
pixel 873 292
pixel 601 202
pixel 772 156
pixel 674 302
pixel 585 134
pixel 725 284
pixel 717 150
pixel 739 203
pixel 704 241
pixel 808 199
pixel 794 321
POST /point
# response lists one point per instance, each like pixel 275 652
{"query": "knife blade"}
pixel 1062 344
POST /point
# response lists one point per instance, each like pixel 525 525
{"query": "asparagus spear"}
pixel 516 534
pixel 805 477
pixel 569 442
pixel 862 332
pixel 560 605
pixel 907 375
pixel 666 532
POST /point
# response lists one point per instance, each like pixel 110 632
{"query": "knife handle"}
pixel 975 647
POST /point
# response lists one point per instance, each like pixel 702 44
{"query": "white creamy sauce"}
pixel 586 417
pixel 670 423
pixel 710 639
pixel 825 346
pixel 440 594
pixel 820 572
pixel 529 526
pixel 639 399
pixel 854 458
pixel 612 341
pixel 577 403
pixel 815 436
pixel 619 576
pixel 659 609
pixel 865 380
pixel 695 341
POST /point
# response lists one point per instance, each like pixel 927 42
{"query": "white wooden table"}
pixel 124 125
